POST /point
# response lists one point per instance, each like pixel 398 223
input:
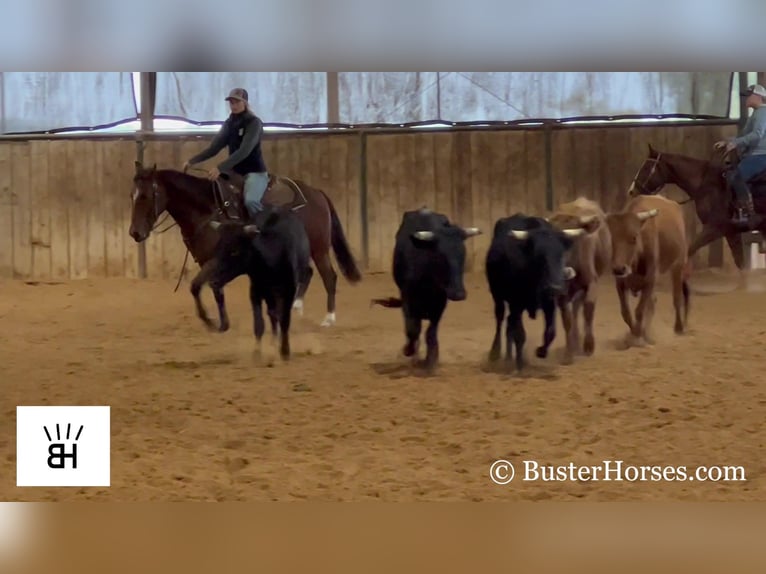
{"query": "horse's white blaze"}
pixel 136 193
pixel 328 320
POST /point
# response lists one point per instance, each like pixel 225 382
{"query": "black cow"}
pixel 274 252
pixel 428 266
pixel 526 270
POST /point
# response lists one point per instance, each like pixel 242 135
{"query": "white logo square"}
pixel 63 446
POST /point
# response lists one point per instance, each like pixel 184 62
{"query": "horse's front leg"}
pixel 203 276
pixel 223 316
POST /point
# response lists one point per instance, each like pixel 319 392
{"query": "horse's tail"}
pixel 341 248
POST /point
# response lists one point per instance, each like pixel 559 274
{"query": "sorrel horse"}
pixel 704 182
pixel 193 203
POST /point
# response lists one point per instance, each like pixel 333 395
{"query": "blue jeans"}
pixel 255 186
pixel 749 167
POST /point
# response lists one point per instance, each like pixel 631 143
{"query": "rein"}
pixel 642 187
pixel 185 239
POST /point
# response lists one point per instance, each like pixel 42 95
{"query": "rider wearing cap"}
pixel 241 133
pixel 751 145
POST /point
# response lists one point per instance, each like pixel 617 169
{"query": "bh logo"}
pixel 57 454
pixel 63 446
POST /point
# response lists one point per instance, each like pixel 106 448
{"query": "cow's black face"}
pixel 548 250
pixel 233 253
pixel 449 243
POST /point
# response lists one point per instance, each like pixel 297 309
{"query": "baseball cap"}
pixel 240 94
pixel 754 89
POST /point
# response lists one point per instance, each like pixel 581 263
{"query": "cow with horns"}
pixel 649 239
pixel 428 268
pixel 591 258
pixel 274 253
pixel 526 270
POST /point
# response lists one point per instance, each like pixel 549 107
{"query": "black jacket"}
pixel 241 134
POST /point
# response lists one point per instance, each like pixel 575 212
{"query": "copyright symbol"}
pixel 501 472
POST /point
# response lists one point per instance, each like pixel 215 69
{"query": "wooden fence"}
pixel 65 203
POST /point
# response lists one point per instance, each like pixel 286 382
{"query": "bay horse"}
pixel 705 184
pixel 194 202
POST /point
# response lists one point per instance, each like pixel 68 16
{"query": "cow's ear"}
pixel 590 223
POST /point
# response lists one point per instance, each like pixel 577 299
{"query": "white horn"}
pixel 519 233
pixel 644 215
pixel 471 231
pixel 424 235
pixel 215 224
pixel 251 229
pixel 573 232
pixel 569 273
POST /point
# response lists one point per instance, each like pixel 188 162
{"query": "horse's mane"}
pixel 201 197
pixel 696 161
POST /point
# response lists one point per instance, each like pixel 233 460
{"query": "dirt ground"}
pixel 199 416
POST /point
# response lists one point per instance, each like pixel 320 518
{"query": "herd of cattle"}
pixel 533 264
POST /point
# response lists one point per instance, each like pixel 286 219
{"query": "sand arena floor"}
pixel 198 416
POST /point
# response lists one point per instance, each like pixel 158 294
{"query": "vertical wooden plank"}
pixel 585 151
pixel 499 171
pixel 123 185
pixel 489 182
pixel 442 173
pixel 423 177
pixel 79 191
pixel 6 211
pixel 344 152
pixel 480 149
pixel 530 166
pixel 115 197
pixel 95 194
pixel 41 212
pixel 402 159
pixel 562 161
pixel 59 181
pixel 22 225
pixel 377 176
pixel 617 175
pixel 462 189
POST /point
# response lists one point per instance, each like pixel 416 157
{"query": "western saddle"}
pixel 228 191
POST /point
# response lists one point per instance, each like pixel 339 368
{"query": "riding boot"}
pixel 744 214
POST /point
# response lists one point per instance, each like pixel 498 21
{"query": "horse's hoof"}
pixel 328 320
pixel 223 328
pixel 298 307
pixel 541 352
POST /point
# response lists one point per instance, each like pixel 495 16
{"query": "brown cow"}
pixel 649 238
pixel 590 257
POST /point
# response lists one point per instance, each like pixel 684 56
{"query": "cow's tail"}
pixel 340 246
pixel 390 302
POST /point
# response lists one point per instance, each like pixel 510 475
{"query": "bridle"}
pixel 641 186
pixel 156 208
